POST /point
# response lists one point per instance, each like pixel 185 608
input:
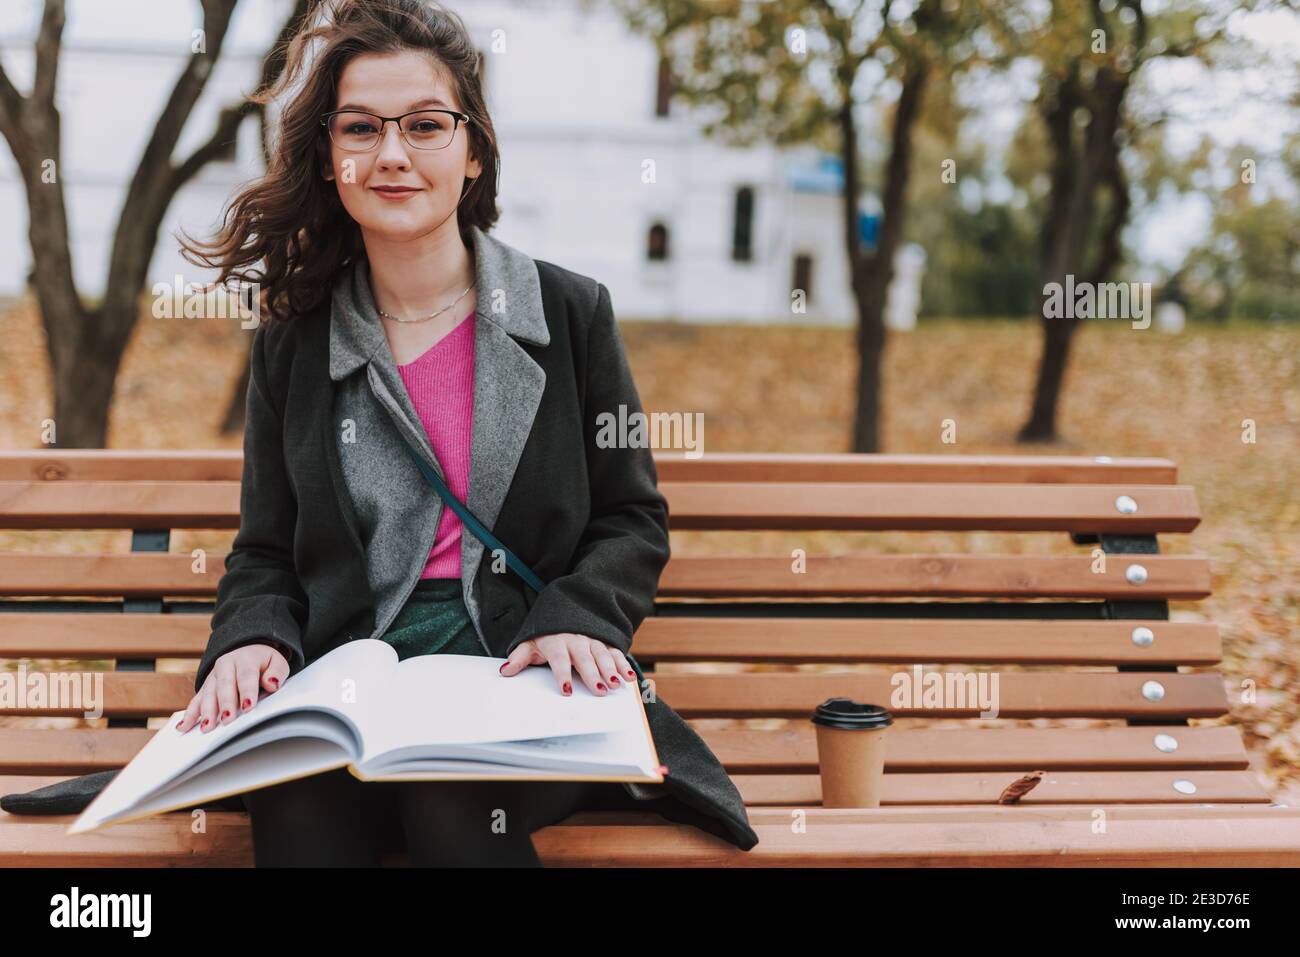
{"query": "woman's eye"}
pixel 427 126
pixel 359 128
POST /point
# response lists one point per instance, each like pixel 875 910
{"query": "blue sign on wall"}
pixel 868 229
pixel 824 176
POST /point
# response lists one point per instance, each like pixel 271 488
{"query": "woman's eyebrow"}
pixel 427 101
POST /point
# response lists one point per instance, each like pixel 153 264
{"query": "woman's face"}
pixel 390 85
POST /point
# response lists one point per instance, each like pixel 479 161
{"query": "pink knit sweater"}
pixel 441 386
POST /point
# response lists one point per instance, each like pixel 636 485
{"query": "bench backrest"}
pixel 760 590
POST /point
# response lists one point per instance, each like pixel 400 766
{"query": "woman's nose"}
pixel 392 148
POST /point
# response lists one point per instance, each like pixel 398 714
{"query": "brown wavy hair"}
pixel 288 230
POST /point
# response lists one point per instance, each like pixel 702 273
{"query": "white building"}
pixel 720 234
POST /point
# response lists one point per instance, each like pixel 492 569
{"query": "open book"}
pixel 430 717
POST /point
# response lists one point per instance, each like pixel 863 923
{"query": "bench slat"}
pixel 785 506
pixel 125 465
pixel 138 575
pixel 144 505
pixel 890 506
pixel 910 640
pixel 1219 835
pixel 121 465
pixel 920 790
pixel 1020 694
pixel 103 635
pixel 1179 577
pixel 794 749
pixel 69 750
pixel 790 750
pixel 791 640
pixel 1030 836
pixel 1182 577
pixel 674 466
pixel 984 787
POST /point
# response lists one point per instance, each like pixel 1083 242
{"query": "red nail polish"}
pixel 568 688
pixel 225 714
pixel 613 679
pixel 503 667
pixel 205 723
pixel 631 674
pixel 600 686
pixel 276 682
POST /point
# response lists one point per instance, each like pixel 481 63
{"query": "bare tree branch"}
pixel 48 40
pixel 149 192
pixel 11 118
pixel 228 123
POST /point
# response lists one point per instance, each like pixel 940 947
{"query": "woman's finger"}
pixel 525 654
pixel 275 674
pixel 208 706
pixel 624 668
pixel 605 662
pixel 190 716
pixel 248 676
pixel 580 653
pixel 227 703
pixel 556 652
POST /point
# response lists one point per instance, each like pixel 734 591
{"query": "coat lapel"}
pixel 508 383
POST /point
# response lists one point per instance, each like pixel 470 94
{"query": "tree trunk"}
pixel 871 273
pixel 86 346
pixel 84 375
pixel 1077 174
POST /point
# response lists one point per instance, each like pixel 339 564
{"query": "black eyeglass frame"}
pixel 458 117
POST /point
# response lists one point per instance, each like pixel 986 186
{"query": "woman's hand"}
pixel 231 687
pixel 599 665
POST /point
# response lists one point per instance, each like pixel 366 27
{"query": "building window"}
pixel 803 276
pixel 743 224
pixel 657 242
pixel 663 88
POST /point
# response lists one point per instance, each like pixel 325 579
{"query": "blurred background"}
pixel 826 225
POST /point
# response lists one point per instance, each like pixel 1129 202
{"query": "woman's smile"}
pixel 397 193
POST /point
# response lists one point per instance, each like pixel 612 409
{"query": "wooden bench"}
pixel 1066 639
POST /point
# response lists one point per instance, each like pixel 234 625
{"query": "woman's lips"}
pixel 395 192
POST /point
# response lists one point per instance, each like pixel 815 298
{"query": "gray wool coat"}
pixel 336 520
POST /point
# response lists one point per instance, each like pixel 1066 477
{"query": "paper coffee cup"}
pixel 851 751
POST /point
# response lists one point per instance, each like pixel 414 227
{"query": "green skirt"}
pixel 434 621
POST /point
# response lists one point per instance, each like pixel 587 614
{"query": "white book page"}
pixel 271 763
pixel 623 753
pixel 318 725
pixel 623 748
pixel 456 699
pixel 337 683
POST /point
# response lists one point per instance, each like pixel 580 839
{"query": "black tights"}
pixel 336 820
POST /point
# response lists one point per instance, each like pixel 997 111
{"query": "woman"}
pixel 398 327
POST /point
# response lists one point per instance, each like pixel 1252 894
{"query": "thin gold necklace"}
pixel 432 315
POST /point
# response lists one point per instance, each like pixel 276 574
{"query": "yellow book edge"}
pixel 352 769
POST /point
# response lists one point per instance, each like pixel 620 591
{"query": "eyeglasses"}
pixel 357 132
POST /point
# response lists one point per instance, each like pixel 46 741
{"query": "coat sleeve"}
pixel 615 571
pixel 259 598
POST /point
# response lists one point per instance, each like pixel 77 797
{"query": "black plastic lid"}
pixel 851 715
